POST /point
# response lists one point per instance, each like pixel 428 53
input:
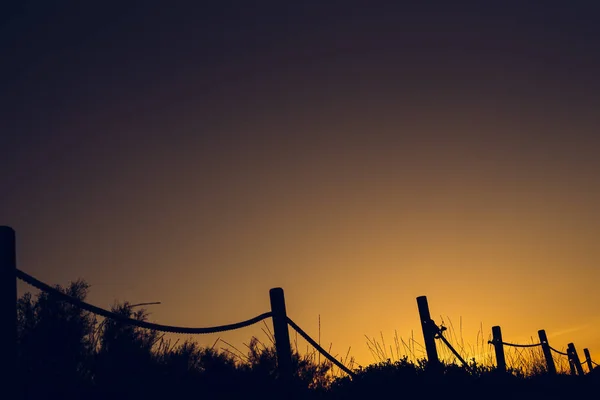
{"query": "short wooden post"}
pixel 588 359
pixel 429 331
pixel 499 348
pixel 282 336
pixel 574 359
pixel 8 307
pixel 547 352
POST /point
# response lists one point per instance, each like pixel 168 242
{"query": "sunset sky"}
pixel 357 154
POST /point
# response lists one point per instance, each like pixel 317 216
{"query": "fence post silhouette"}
pixel 588 359
pixel 282 336
pixel 499 348
pixel 547 352
pixel 574 359
pixel 429 331
pixel 8 307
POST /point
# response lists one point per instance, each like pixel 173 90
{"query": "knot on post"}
pixel 438 331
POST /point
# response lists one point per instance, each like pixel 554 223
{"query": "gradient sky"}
pixel 357 154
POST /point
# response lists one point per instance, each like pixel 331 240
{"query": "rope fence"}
pixel 281 323
pixel 514 345
pixel 126 320
pixel 278 313
pixel 558 352
pixel 320 349
pixel 437 330
pixel 23 276
pixel 439 334
pixel 431 332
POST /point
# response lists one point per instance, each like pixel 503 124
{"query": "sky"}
pixel 356 154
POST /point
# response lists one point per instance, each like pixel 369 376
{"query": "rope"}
pixel 514 345
pixel 319 348
pixel 439 334
pixel 559 352
pixel 141 324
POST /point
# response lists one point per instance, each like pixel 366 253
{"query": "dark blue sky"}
pixel 143 56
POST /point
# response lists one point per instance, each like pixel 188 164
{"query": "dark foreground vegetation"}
pixel 67 353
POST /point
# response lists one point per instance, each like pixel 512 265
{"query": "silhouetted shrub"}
pixel 54 347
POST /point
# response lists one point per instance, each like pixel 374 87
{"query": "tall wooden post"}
pixel 574 358
pixel 282 336
pixel 429 331
pixel 499 348
pixel 588 359
pixel 8 307
pixel 547 352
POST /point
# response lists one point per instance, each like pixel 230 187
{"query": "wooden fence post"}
pixel 282 336
pixel 429 331
pixel 547 352
pixel 574 359
pixel 8 307
pixel 588 359
pixel 499 348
